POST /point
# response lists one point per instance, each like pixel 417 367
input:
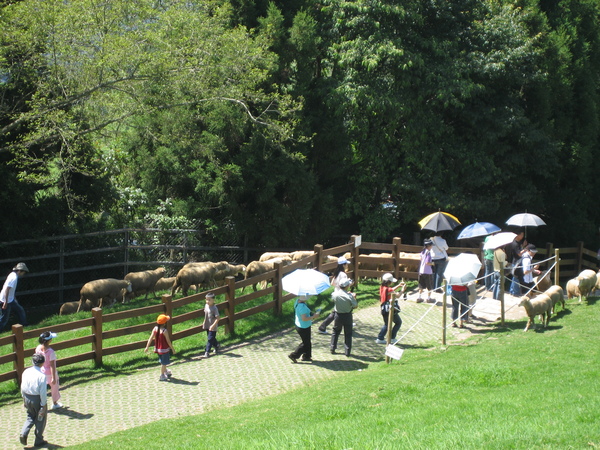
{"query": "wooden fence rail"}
pixel 572 262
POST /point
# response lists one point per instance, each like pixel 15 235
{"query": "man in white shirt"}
pixel 7 296
pixel 34 392
pixel 439 257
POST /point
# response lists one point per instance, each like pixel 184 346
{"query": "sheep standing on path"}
pixel 144 281
pixel 96 291
pixel 541 305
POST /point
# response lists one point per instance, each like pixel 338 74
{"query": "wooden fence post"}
pixel 97 333
pixel 444 311
pixel 557 266
pixel 355 251
pixel 319 251
pixel 230 307
pixel 397 242
pixel 502 281
pixel 166 300
pixel 579 256
pixel 19 349
pixel 549 252
pixel 278 293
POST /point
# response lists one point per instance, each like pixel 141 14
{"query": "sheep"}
pixel 256 268
pixel 557 295
pixel 587 281
pixel 188 276
pixel 300 254
pixel 144 281
pixel 271 255
pixel 413 265
pixel 218 266
pixel 231 271
pixel 100 291
pixel 597 286
pixel 573 289
pixel 542 281
pixel 541 305
pixel 164 283
pixel 73 307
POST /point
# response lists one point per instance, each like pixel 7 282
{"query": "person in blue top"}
pixel 303 319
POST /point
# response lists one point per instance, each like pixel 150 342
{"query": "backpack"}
pixel 517 269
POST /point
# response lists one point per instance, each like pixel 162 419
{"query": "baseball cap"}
pixel 532 248
pixel 47 335
pixel 162 318
pixel 388 277
pixel 343 260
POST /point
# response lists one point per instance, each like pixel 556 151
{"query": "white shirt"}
pixel 438 250
pixel 527 277
pixel 337 280
pixel 33 382
pixel 11 282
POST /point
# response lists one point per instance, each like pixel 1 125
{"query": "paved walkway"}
pixel 240 373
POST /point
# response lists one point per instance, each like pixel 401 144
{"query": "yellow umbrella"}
pixel 439 221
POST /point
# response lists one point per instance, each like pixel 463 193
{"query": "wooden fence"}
pixel 574 262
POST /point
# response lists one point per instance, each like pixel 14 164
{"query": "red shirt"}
pixel 459 288
pixel 385 293
pixel 160 342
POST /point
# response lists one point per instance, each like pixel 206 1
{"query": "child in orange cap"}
pixel 162 345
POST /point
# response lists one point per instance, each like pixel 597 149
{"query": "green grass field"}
pixel 507 390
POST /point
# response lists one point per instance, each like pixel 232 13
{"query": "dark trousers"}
pixel 439 266
pixel 460 304
pixel 342 320
pixel 5 314
pixel 397 324
pixel 212 340
pixel 327 321
pixel 305 348
pixel 32 405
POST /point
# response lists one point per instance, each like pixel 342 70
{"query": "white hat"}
pixel 388 277
pixel 21 266
pixel 343 260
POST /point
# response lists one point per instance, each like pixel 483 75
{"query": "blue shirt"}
pixel 302 308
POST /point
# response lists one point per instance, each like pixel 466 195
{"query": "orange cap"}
pixel 162 318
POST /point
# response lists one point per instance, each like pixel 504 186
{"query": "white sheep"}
pixel 188 276
pixel 597 286
pixel 541 305
pixel 271 255
pixel 300 254
pixel 557 295
pixel 144 281
pixel 73 307
pixel 573 289
pixel 256 268
pixel 103 290
pixel 587 281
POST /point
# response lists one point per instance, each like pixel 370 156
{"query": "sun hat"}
pixel 388 277
pixel 343 260
pixel 210 295
pixel 427 242
pixel 21 266
pixel 345 283
pixel 162 319
pixel 47 335
pixel 38 359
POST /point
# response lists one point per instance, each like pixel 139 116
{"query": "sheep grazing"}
pixel 541 305
pixel 256 268
pixel 543 281
pixel 597 286
pixel 271 255
pixel 587 281
pixel 103 290
pixel 230 271
pixel 164 283
pixel 144 281
pixel 73 307
pixel 557 295
pixel 194 275
pixel 573 289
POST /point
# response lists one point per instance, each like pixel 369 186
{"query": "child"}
pixel 387 297
pixel 162 345
pixel 426 272
pixel 49 367
pixel 211 323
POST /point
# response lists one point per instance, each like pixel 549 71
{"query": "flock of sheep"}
pixel 543 304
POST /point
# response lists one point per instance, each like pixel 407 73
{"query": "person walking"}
pixel 439 257
pixel 35 397
pixel 8 299
pixel 386 292
pixel 460 305
pixel 339 275
pixel 344 303
pixel 162 345
pixel 499 265
pixel 303 318
pixel 426 272
pixel 49 367
pixel 211 324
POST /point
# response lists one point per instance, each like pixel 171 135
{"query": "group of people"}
pixel 433 262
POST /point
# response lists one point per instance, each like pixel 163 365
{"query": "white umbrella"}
pixel 500 239
pixel 305 282
pixel 525 220
pixel 463 268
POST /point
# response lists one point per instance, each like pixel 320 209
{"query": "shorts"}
pixel 426 281
pixel 164 358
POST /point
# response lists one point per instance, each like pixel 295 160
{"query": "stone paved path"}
pixel 240 373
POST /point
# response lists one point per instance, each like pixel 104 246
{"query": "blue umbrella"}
pixel 478 229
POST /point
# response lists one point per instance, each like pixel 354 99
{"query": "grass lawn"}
pixel 507 390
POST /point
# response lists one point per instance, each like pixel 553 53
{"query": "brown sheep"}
pixel 587 281
pixel 144 282
pixel 256 268
pixel 103 290
pixel 543 281
pixel 573 289
pixel 164 283
pixel 541 305
pixel 73 307
pixel 188 276
pixel 557 295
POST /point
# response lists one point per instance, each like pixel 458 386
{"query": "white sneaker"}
pixel 169 373
pixel 163 378
pixel 380 341
pixel 57 406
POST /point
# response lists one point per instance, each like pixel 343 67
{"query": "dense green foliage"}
pixel 287 123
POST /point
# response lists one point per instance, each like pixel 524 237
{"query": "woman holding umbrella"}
pixel 303 320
